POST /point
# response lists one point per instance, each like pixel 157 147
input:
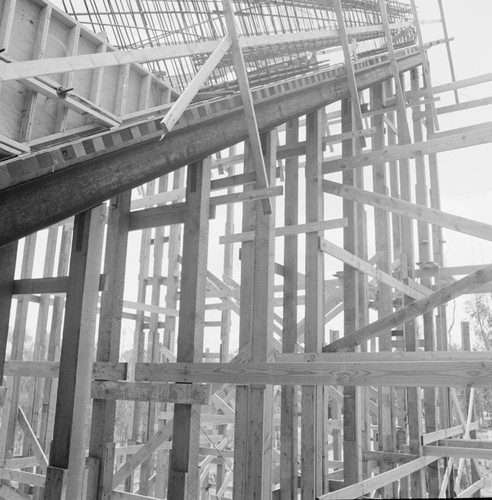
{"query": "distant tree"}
pixel 479 311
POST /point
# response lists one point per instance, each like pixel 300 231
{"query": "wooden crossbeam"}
pixel 428 373
pixel 413 310
pixel 365 267
pixel 287 230
pixel 419 212
pixel 455 140
pixel 141 391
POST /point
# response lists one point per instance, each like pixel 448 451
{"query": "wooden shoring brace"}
pixel 249 110
pixel 352 414
pixel 67 448
pixel 425 64
pixel 466 435
pixel 289 418
pixel 348 50
pixel 413 310
pixel 108 345
pixel 183 467
pixel 386 417
pixel 17 349
pixel 178 107
pixel 312 396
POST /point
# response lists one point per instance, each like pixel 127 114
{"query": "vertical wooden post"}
pixel 311 422
pixel 352 454
pixel 466 346
pixel 108 343
pixel 183 470
pixel 75 374
pixel 245 329
pixel 260 419
pixel 288 417
pixel 8 255
pixel 386 428
pixel 153 343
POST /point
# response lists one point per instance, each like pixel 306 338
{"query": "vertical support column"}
pixel 75 373
pixel 183 469
pixel 108 343
pixel 352 454
pixel 8 255
pixel 17 349
pixel 53 354
pixel 245 329
pixel 311 422
pixel 288 416
pixel 260 419
pixel 466 346
pixel 386 428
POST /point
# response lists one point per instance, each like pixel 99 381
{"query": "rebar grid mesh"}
pixel 148 23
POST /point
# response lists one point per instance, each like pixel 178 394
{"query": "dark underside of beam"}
pixel 37 204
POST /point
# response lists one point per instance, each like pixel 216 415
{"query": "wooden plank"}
pixel 447 143
pixel 428 373
pixel 108 345
pixel 183 467
pixel 458 452
pixel 8 255
pixel 365 267
pixel 468 492
pixel 76 355
pixel 287 230
pixel 354 93
pixel 311 403
pixel 142 391
pixel 259 438
pixel 379 481
pixel 413 310
pixel 22 477
pixel 419 212
pixel 33 440
pixel 446 433
pixel 145 451
pixel 289 419
pixel 180 105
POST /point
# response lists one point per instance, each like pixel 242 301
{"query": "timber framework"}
pixel 222 269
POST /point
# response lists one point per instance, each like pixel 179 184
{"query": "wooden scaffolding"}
pixel 259 310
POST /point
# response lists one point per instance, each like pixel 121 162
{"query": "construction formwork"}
pixel 227 331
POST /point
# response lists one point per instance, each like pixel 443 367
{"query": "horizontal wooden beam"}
pixel 165 215
pixel 49 369
pixel 419 212
pixel 54 285
pixel 382 373
pixel 457 452
pixel 145 391
pixel 412 311
pixel 287 230
pixel 432 437
pixel 393 153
